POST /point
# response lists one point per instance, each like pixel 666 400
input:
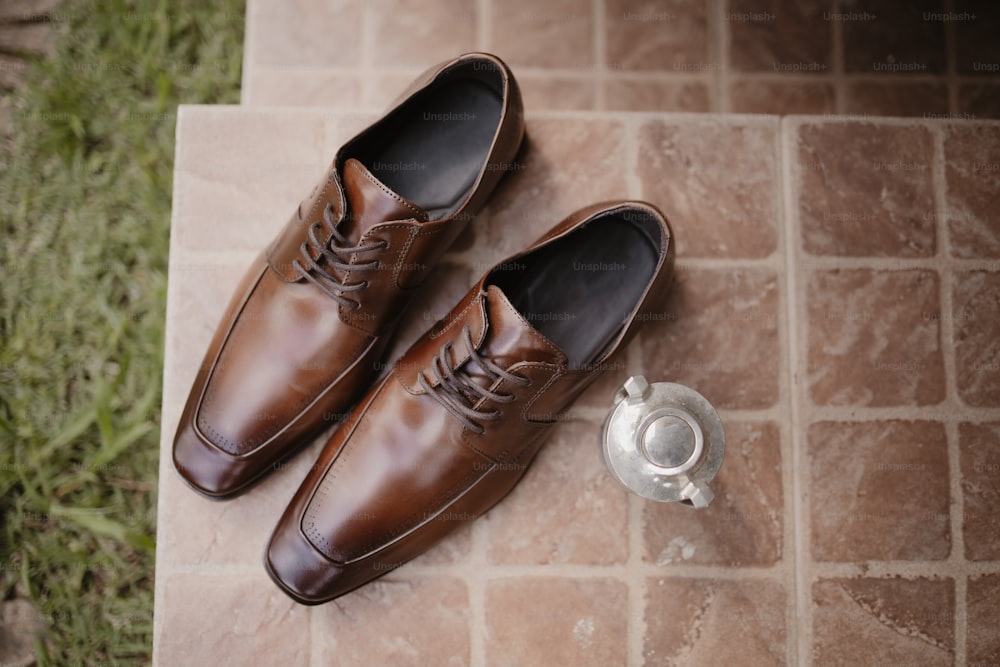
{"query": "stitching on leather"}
pixel 342 312
pixel 402 257
pixel 531 330
pixel 454 320
pixel 240 448
pixel 234 448
pixel 548 383
pixel 308 521
pixel 413 520
pixel 433 336
pixel 357 167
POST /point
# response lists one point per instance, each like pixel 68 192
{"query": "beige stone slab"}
pixel 222 619
pixel 238 177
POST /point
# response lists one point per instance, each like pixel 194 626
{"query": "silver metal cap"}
pixel 664 442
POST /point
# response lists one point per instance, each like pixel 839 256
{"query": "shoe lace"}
pixel 335 252
pixel 458 392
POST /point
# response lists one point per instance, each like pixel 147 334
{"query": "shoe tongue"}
pixel 510 338
pixel 369 202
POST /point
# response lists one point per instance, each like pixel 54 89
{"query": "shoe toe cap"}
pixel 205 468
pixel 301 571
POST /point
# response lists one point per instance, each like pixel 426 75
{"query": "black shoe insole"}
pixel 435 154
pixel 579 291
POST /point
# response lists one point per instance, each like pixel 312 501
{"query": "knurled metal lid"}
pixel 664 442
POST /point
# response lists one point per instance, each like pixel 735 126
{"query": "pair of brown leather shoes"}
pixel 452 428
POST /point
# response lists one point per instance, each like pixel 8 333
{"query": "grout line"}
pixel 719 50
pixel 636 581
pixel 476 563
pixel 951 58
pixel 784 405
pixel 600 68
pixel 961 618
pixel 365 68
pixel 483 26
pixel 947 337
pixel 837 55
pixel 898 263
pixel 803 610
pixel 630 153
pixel 312 633
pixel 957 556
pixel 903 568
pixel 940 413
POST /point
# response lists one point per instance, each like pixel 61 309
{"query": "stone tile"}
pixel 198 291
pixel 857 474
pixel 383 89
pixel 552 34
pixel 977 51
pixel 561 162
pixel 231 532
pixel 548 91
pixel 621 94
pixel 866 345
pixel 656 35
pixel 979 445
pixel 342 127
pixel 894 38
pixel 719 336
pixel 714 622
pixel 743 525
pixel 972 187
pixel 239 620
pixel 566 509
pixel 976 314
pixel 886 98
pixel 397 621
pixel 979 100
pixel 452 550
pixel 424 34
pixel 983 614
pixel 600 394
pixel 883 621
pixel 556 621
pixel 273 86
pixel 780 97
pixel 866 189
pixel 240 174
pixel 717 183
pixel 779 36
pixel 277 33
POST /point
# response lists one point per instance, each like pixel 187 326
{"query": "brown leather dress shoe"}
pixel 306 328
pixel 453 427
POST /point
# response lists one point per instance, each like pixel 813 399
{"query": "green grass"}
pixel 85 186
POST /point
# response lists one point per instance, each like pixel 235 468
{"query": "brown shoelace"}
pixel 458 392
pixel 334 252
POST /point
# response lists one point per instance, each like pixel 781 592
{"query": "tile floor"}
pixel 836 299
pixel 856 513
pixel 927 59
